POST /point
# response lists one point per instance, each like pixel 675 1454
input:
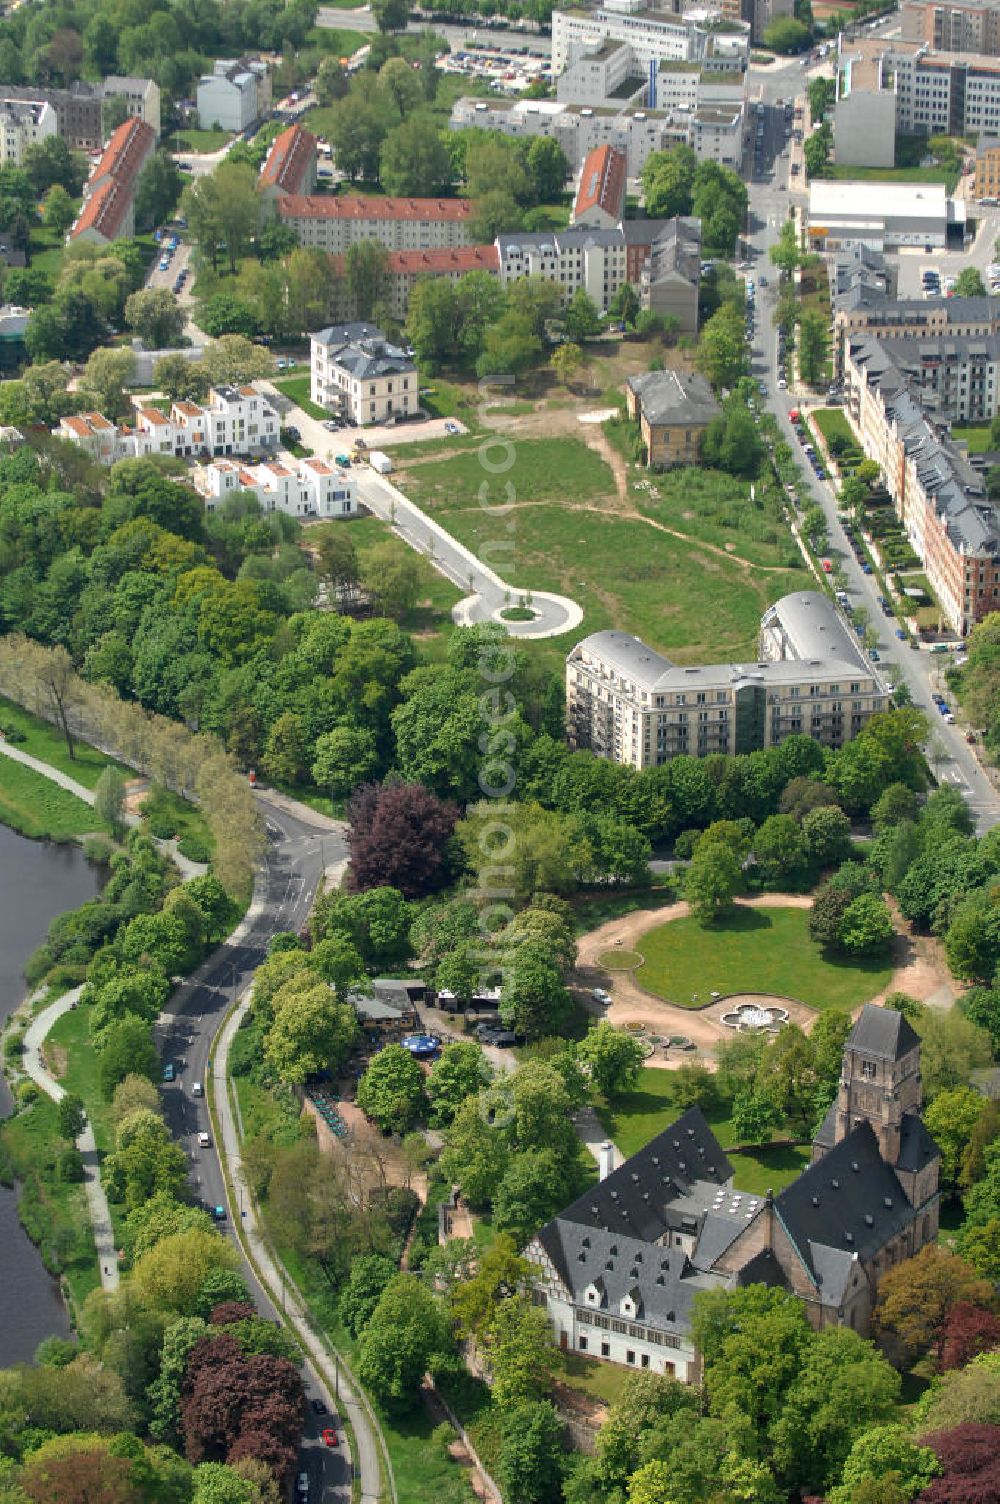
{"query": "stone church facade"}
pixel 620 1267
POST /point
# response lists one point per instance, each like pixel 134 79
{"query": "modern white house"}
pixel 235 420
pixel 302 488
pixel 355 371
pixel 234 95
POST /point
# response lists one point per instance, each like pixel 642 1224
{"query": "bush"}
pixel 161 825
pixel 10 732
pixel 194 847
pixel 26 1093
pixel 69 1165
pixel 99 848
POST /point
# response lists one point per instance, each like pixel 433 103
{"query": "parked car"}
pixel 329 1436
pixel 302 1486
pixel 601 996
pixel 900 634
pixel 204 1142
pixel 866 568
pixel 318 1407
pixel 169 1073
pixel 196 1089
pixel 873 654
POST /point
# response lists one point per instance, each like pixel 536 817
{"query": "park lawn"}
pixel 77 1071
pixel 693 606
pixel 753 950
pixel 635 1117
pixel 53 1212
pixel 202 142
pixel 716 508
pixel 542 470
pixel 46 251
pixel 41 739
pixel 296 389
pixel 37 807
pixel 341 41
pixel 976 435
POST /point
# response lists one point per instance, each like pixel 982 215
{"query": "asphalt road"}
pixel 296 856
pixel 957 762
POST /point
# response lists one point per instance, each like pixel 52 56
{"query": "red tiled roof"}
pixel 320 206
pixel 602 182
pixel 125 154
pixel 86 424
pixel 288 160
pixel 466 258
pixel 104 211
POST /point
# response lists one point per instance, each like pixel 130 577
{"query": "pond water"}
pixel 38 880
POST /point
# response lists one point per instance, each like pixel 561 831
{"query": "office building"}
pixel 400 224
pixel 235 95
pixel 655 36
pixel 628 702
pixel 356 372
pixel 618 1270
pixel 952 25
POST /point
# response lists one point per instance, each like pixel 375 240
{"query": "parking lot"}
pixel 171 268
pixel 510 70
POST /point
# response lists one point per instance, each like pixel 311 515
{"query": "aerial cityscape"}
pixel 500 752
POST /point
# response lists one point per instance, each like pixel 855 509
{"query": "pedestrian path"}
pixel 97 1202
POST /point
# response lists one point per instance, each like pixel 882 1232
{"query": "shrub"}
pixel 10 732
pixel 69 1165
pixel 161 825
pixel 99 848
pixel 26 1093
pixel 194 847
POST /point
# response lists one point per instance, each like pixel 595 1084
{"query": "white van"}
pixel 196 1090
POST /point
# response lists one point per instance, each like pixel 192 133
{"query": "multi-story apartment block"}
pixel 235 420
pixel 301 488
pixel 986 181
pixel 79 111
pixel 355 371
pixel 716 128
pixel 23 123
pixel 867 309
pixel 404 269
pixel 400 224
pixel 940 499
pixel 955 379
pixel 235 95
pixel 108 211
pixel 600 190
pixel 952 25
pixel 653 35
pixel 290 167
pixel 628 702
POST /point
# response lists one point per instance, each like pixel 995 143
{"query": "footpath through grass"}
pixel 37 807
pixel 637 1116
pixel 562 532
pixel 754 950
pixel 41 739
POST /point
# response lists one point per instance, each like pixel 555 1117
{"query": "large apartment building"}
pixel 654 35
pixel 939 497
pixel 400 224
pixel 108 211
pixel 23 123
pixel 289 168
pixel 952 25
pixel 79 109
pixel 627 702
pixel 869 309
pixel 235 95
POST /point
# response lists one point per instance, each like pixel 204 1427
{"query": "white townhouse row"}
pixel 301 488
pixel 234 420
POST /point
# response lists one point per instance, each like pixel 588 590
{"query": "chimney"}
pixel 606 1160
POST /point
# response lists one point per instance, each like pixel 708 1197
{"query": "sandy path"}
pixel 919 968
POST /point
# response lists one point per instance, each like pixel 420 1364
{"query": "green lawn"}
pixel 342 41
pixel 201 141
pixel 46 251
pixel 78 1073
pixel 41 739
pixel 637 1116
pixel 34 805
pixel 716 508
pixel 945 175
pixel 753 950
pixel 695 606
pixel 832 424
pixel 976 435
pixel 296 389
pixel 600 1381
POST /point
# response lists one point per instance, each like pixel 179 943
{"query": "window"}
pixel 630 1356
pixel 643 1360
pixel 605 1350
pixel 583 1344
pixel 868 1070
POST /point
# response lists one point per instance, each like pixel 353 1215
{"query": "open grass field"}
pixel 976 435
pixel 637 1116
pixel 716 508
pixel 43 740
pixel 832 424
pixel 203 142
pixel 37 807
pixel 622 573
pixel 296 389
pixel 754 950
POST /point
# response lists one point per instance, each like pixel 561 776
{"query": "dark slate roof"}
pixel 849 1203
pixel 882 1032
pixel 639 1199
pixel 659 1280
pixel 826 1134
pixel 916 1147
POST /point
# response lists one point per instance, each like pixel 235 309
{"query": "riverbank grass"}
pixel 42 740
pixel 37 807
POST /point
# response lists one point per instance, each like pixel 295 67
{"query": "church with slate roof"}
pixel 618 1270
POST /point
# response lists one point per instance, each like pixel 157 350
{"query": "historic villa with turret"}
pixel 619 1269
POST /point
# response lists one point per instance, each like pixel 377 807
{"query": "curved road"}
pixel 297 853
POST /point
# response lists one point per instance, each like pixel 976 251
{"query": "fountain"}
pixel 748 1017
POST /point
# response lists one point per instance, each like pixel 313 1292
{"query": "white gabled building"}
pixel 301 488
pixel 235 420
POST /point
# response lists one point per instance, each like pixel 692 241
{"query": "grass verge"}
pixel 41 739
pixel 37 807
pixel 296 389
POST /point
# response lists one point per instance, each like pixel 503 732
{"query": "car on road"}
pixel 318 1407
pixel 866 568
pixel 204 1141
pixel 169 1073
pixel 331 426
pixel 938 699
pixel 329 1436
pixel 874 655
pixel 302 1486
pixel 601 996
pixel 949 718
pixel 196 1089
pixel 782 384
pixel 944 707
pixel 218 1214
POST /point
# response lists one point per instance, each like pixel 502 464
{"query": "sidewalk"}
pixel 339 1390
pixel 97 1201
